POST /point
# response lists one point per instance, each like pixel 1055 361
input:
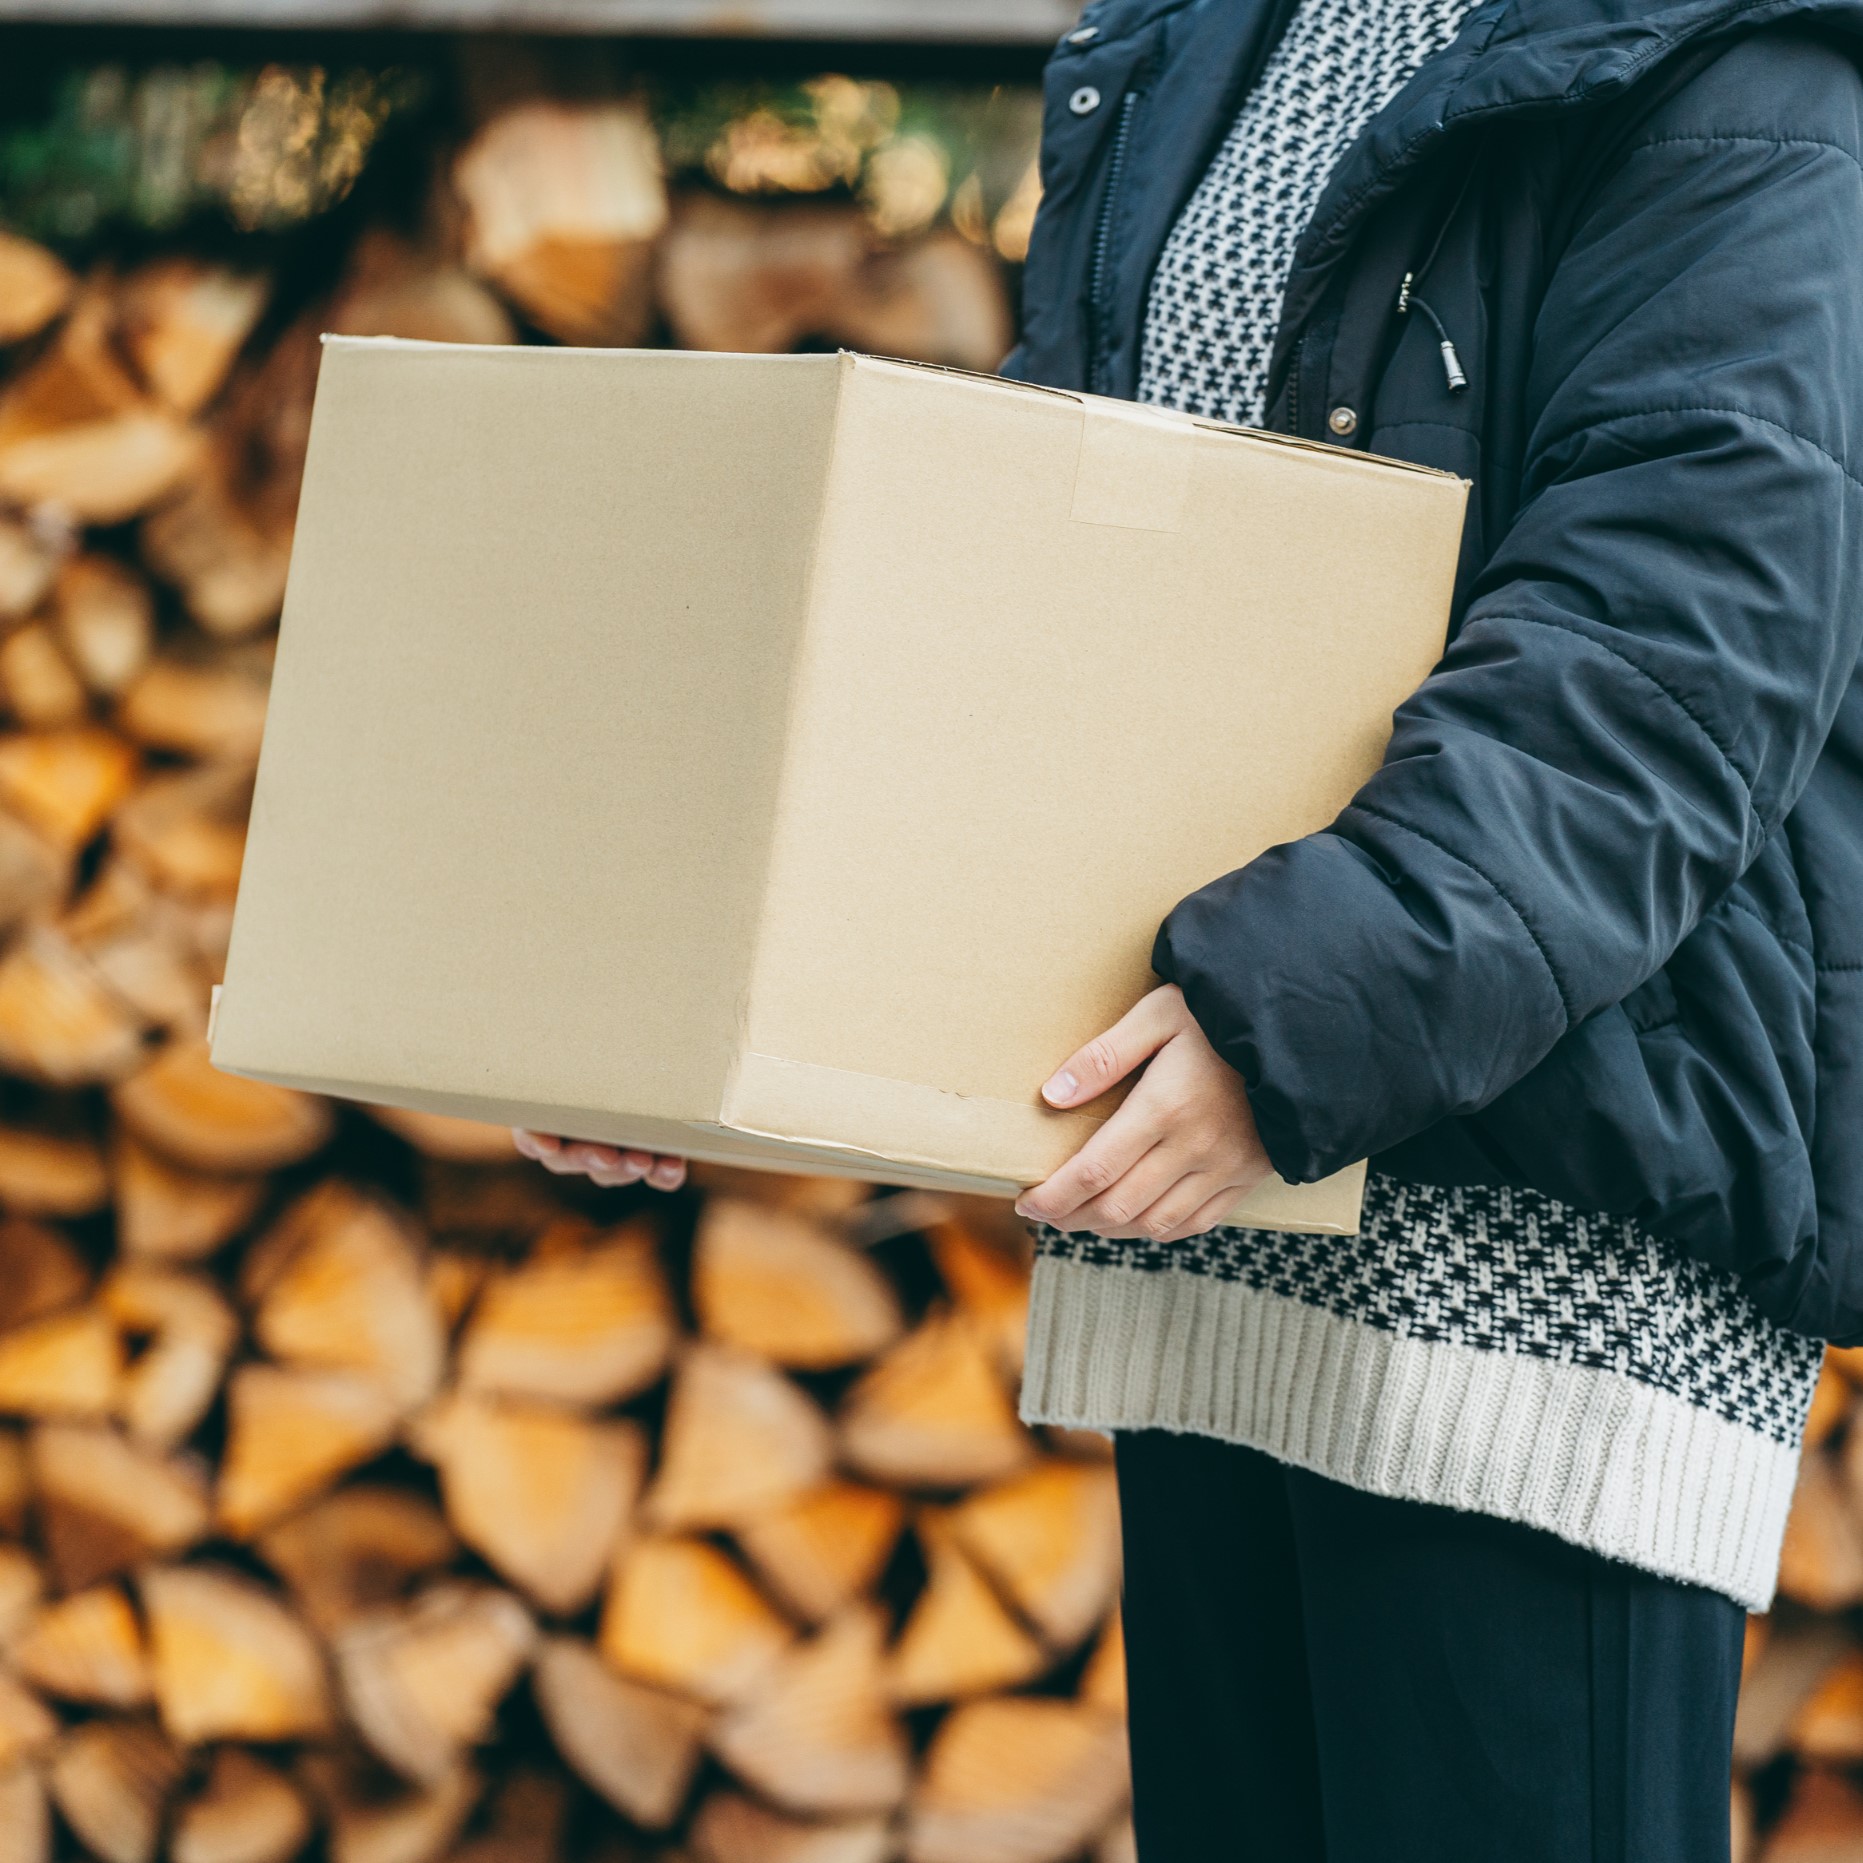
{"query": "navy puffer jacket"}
pixel 1597 924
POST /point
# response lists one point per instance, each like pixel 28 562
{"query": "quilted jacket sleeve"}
pixel 1644 677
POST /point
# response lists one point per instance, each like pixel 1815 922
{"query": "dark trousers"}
pixel 1317 1673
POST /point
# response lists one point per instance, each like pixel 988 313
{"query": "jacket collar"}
pixel 1515 57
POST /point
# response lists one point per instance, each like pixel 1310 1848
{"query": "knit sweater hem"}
pixel 1596 1457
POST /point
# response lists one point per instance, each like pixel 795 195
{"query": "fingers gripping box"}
pixel 787 760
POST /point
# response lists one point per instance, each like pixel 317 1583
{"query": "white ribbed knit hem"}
pixel 1593 1456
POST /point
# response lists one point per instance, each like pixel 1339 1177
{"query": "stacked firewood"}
pixel 364 1491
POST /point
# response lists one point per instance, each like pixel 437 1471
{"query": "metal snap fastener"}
pixel 1084 101
pixel 1083 35
pixel 1343 420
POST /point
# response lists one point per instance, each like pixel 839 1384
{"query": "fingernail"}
pixel 1022 1209
pixel 1062 1087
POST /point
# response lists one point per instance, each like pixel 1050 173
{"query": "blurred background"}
pixel 365 1493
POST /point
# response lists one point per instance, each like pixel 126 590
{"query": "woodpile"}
pixel 366 1493
pixel 363 1491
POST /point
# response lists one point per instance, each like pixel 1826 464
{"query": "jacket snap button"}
pixel 1083 35
pixel 1084 101
pixel 1342 420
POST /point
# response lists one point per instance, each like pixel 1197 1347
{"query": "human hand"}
pixel 602 1164
pixel 1176 1156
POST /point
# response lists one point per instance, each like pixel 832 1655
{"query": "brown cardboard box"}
pixel 787 760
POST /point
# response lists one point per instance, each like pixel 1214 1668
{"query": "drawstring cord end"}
pixel 1453 372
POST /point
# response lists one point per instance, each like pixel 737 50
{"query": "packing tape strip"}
pixel 1133 471
pixel 1009 1142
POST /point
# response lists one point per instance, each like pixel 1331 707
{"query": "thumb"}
pixel 1107 1059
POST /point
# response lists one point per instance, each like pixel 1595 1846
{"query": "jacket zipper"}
pixel 1293 385
pixel 1103 239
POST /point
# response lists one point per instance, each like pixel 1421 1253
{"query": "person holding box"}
pixel 1439 1538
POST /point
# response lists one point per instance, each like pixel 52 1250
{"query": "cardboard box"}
pixel 787 760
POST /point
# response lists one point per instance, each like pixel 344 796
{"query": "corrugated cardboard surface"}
pixel 789 759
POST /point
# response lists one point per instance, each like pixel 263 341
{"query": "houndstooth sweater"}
pixel 1489 1349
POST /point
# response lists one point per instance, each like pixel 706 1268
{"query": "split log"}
pixel 186 831
pixel 1821 1561
pixel 40 1272
pixel 1103 1681
pixel 1829 1726
pixel 787 1288
pixel 543 1493
pixel 40 686
pixel 1794 1659
pixel 25 1817
pixel 393 289
pixel 67 783
pixel 51 1174
pixel 525 1823
pixel 338 1284
pixel 229 1661
pixel 1017 1780
pixel 227 562
pixel 563 204
pixel 1822 1822
pixel 959 1639
pixel 733 1829
pixel 1830 1403
pixel 167 1213
pixel 681 1615
pixel 105 621
pixel 185 1332
pixel 196 1116
pixel 763 279
pixel 34 288
pixel 290 1434
pixel 107 1504
pixel 937 298
pixel 22 1589
pixel 15 1490
pixel 454 1278
pixel 826 1547
pixel 933 1412
pixel 87 1647
pixel 1050 1539
pixel 1119 1845
pixel 65 1366
pixel 827 1199
pixel 817 1734
pixel 27 1725
pixel 210 707
pixel 376 1820
pixel 357 1551
pixel 248 1812
pixel 436 1135
pixel 183 323
pixel 112 1780
pixel 591 1327
pixel 34 875
pixel 77 432
pixel 423 1681
pixel 739 1440
pixel 59 1021
pixel 736 277
pixel 637 1746
pixel 29 559
pixel 141 956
